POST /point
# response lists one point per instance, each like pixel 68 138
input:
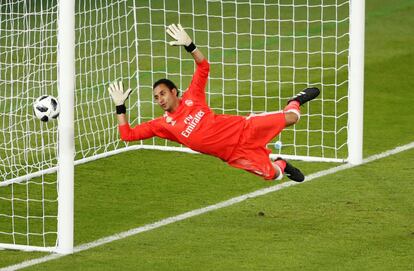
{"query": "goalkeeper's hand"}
pixel 178 33
pixel 116 90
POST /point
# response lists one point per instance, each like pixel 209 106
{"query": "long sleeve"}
pixel 145 130
pixel 199 80
pixel 139 132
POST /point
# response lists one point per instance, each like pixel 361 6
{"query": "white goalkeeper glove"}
pixel 181 37
pixel 116 90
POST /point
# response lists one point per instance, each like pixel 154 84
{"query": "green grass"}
pixel 357 219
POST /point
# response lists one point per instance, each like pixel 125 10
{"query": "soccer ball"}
pixel 46 107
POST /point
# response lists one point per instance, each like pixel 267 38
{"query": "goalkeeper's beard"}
pixel 164 106
pixel 169 106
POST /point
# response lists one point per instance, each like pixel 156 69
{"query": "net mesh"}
pixel 261 53
pixel 28 36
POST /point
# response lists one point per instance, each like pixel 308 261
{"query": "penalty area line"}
pixel 203 210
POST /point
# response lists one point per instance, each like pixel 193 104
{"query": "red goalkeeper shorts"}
pixel 251 154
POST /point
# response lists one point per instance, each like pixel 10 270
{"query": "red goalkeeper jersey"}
pixel 193 124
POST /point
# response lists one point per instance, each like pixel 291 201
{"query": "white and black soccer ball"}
pixel 46 107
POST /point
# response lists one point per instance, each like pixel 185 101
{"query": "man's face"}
pixel 166 98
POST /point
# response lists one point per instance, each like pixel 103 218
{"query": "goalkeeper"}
pixel 240 141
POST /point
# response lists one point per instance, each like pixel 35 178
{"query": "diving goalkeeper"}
pixel 238 140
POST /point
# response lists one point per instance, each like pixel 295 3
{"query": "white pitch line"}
pixel 203 210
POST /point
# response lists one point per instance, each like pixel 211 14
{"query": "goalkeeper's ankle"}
pixel 280 166
pixel 293 107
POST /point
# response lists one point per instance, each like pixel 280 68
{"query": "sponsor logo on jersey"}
pixel 189 102
pixel 192 122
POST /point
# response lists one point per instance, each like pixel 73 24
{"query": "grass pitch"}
pixel 359 219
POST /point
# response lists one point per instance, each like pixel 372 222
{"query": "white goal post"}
pixel 261 53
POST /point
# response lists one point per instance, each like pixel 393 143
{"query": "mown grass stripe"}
pixel 204 210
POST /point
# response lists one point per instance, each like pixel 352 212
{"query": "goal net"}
pixel 261 53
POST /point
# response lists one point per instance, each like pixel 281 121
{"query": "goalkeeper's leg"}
pixel 284 168
pixel 292 109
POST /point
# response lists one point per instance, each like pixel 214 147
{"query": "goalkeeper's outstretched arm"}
pixel 181 37
pixel 141 131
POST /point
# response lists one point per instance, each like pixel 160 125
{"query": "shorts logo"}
pixel 188 102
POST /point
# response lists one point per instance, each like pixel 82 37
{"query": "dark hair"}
pixel 170 85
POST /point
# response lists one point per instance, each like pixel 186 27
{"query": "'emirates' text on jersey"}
pixel 193 124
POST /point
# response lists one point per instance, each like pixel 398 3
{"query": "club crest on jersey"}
pixel 189 102
pixel 169 120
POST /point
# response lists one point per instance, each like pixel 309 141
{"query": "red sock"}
pixel 293 105
pixel 281 164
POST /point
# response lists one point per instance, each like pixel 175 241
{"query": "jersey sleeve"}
pixel 142 131
pixel 199 81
